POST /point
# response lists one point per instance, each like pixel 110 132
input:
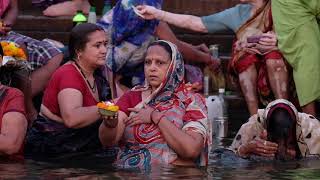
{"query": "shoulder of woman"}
pixel 239 8
pixel 130 95
pixel 14 92
pixel 66 71
pixel 243 7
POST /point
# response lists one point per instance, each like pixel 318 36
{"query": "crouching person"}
pixel 279 132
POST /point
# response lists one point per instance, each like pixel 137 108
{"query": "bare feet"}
pixel 68 8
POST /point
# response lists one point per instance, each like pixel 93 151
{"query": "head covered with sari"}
pixel 185 109
pixel 130 34
pixel 304 128
pixel 173 81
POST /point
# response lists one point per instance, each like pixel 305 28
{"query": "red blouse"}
pixel 129 100
pixel 12 102
pixel 67 76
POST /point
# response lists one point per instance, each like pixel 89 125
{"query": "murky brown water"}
pixel 222 166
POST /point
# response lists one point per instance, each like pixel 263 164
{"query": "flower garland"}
pixel 12 49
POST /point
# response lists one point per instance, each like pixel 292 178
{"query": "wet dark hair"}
pixel 165 45
pixel 280 124
pixel 79 37
pixel 281 128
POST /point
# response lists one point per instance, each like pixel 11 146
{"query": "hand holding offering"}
pixel 107 108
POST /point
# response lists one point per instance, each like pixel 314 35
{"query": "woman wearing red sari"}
pixel 259 66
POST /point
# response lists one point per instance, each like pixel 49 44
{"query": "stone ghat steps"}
pixel 32 23
pixel 41 27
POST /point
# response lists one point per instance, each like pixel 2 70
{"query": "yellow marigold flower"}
pixel 12 49
pixel 113 108
pixel 108 106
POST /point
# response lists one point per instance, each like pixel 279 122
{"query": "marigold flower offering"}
pixel 107 108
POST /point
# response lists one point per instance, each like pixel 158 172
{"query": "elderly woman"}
pixel 256 63
pixel 13 121
pixel 161 122
pixel 280 132
pixel 69 117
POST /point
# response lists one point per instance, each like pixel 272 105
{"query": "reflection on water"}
pixel 306 169
pixel 223 165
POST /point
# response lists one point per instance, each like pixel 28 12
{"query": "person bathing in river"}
pixel 279 131
pixel 161 122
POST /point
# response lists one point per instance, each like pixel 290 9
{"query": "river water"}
pixel 223 165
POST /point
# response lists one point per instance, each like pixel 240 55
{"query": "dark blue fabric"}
pixel 127 26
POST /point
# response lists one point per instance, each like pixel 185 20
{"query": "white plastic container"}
pixel 217 119
pixel 215 108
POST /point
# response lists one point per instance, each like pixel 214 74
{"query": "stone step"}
pixel 41 27
pixel 199 7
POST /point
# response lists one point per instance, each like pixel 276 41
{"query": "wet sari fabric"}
pixel 143 145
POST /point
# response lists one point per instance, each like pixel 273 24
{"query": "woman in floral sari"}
pixel 259 66
pixel 161 122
